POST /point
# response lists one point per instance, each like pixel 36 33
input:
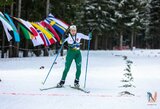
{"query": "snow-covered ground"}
pixel 22 78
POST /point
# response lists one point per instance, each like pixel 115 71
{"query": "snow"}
pixel 90 7
pixel 118 14
pixel 22 77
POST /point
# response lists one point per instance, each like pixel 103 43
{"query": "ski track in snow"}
pixel 22 78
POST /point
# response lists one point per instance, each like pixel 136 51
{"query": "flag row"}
pixel 45 32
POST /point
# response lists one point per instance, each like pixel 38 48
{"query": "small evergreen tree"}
pixel 127 80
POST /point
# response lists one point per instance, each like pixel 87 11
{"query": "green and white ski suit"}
pixel 74 53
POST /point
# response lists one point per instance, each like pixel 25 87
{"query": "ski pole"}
pixel 53 63
pixel 87 60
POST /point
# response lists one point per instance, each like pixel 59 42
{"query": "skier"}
pixel 73 53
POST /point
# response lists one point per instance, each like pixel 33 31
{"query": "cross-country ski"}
pixel 49 88
pixel 70 86
pixel 80 89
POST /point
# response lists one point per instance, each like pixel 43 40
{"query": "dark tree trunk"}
pixel 10 49
pixel 121 41
pixel 25 52
pixel 46 51
pixel 3 44
pixel 96 43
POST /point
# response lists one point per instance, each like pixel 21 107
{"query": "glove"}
pixel 60 42
pixel 90 35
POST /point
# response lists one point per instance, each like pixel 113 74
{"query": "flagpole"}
pixel 3 39
pixel 10 42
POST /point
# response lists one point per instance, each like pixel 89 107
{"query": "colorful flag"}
pixel 25 32
pixel 19 21
pixel 35 37
pixel 7 27
pixel 43 37
pixel 15 32
pixel 48 35
pixel 51 29
pixel 57 24
pixel 43 33
pixel 58 21
pixel 35 40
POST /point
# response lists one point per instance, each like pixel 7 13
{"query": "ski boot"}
pixel 76 83
pixel 60 84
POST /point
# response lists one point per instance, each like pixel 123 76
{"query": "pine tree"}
pixel 96 14
pixel 113 18
pixel 65 10
pixel 127 17
pixel 92 18
pixel 154 24
pixel 137 21
pixel 5 2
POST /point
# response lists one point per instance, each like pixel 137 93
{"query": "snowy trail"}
pixel 22 77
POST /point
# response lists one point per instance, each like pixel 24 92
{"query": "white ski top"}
pixel 72 39
pixel 78 37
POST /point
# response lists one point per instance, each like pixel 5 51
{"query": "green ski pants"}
pixel 72 55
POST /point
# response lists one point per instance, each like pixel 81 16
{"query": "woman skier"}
pixel 73 53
